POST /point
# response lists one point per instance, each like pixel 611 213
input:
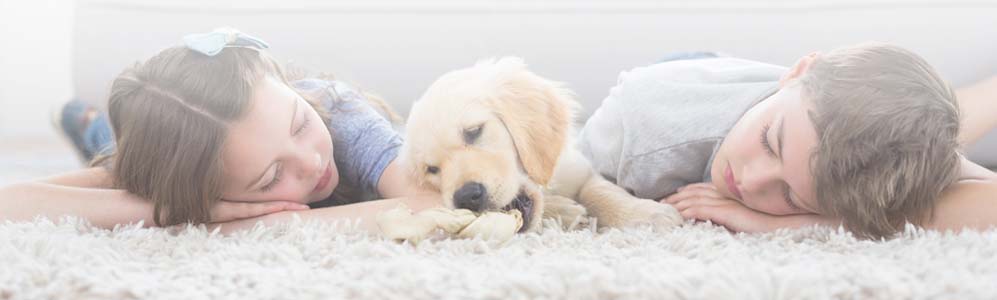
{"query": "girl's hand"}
pixel 225 211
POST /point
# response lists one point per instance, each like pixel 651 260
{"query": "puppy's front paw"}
pixel 644 212
pixel 564 209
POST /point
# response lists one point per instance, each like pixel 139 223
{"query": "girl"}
pixel 215 131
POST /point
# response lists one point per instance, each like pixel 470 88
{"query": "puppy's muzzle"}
pixel 472 196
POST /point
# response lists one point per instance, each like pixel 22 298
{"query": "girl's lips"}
pixel 324 180
pixel 731 183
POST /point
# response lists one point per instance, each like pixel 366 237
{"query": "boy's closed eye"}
pixel 766 132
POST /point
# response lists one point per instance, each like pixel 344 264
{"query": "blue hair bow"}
pixel 213 42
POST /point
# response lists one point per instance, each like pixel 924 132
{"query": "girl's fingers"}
pixel 296 206
pixel 231 210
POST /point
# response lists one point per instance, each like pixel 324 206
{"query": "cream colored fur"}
pixel 525 144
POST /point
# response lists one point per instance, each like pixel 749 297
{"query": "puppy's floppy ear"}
pixel 538 113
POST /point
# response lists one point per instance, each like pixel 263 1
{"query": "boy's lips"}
pixel 324 180
pixel 731 183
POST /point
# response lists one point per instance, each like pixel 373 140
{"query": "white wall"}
pixel 35 67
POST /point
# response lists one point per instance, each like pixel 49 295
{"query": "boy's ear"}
pixel 799 68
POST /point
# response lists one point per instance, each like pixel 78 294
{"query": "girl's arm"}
pixel 83 193
pixel 88 193
pixel 395 185
pixel 95 177
pixel 396 182
pixel 365 212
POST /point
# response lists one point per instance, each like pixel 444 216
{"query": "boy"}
pixel 865 136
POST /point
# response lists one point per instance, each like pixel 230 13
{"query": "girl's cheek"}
pixel 287 192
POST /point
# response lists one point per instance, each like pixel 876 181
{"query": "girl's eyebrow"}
pixel 294 116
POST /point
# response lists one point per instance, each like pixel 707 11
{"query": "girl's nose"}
pixel 311 164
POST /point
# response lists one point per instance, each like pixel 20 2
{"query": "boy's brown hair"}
pixel 887 128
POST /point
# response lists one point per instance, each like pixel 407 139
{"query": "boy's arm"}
pixel 739 218
pixel 971 202
pixel 978 110
pixel 706 205
pixel 966 204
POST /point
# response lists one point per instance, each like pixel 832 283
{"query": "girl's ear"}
pixel 798 69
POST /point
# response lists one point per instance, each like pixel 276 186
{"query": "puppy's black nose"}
pixel 471 196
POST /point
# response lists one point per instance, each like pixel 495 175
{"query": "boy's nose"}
pixel 756 178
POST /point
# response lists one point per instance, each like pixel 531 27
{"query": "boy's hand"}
pixel 702 201
pixel 225 211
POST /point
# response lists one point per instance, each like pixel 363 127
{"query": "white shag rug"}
pixel 312 260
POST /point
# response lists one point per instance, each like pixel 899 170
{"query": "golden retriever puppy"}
pixel 498 137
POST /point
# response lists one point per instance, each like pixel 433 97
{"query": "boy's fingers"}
pixel 671 199
pixel 692 193
pixel 699 201
pixel 684 191
pixel 719 215
pixel 702 213
pixel 698 189
pixel 701 185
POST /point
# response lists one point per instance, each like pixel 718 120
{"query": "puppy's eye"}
pixel 471 134
pixel 432 170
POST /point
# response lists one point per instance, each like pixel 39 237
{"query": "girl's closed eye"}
pixel 304 124
pixel 306 121
pixel 274 182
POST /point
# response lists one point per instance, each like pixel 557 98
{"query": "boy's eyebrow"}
pixel 780 134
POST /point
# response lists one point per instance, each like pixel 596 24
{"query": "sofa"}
pixel 397 48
